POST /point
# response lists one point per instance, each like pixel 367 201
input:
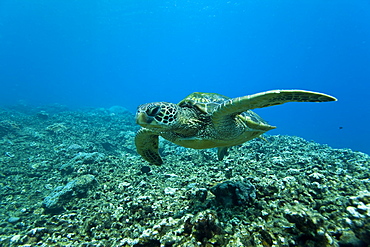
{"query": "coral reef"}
pixel 73 178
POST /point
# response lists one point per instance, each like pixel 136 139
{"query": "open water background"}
pixel 105 53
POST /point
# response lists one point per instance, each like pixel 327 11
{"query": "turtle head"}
pixel 157 115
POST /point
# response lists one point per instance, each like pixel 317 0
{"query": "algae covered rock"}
pixel 230 193
pixel 205 225
pixel 61 194
pixel 81 158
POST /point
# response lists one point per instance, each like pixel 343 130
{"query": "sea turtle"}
pixel 210 120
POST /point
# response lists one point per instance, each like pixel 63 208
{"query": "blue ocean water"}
pixel 105 53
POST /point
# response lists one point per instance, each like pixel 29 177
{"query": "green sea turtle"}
pixel 210 120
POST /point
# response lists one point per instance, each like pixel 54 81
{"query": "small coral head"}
pixel 157 115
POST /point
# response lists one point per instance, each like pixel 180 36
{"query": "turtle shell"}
pixel 205 102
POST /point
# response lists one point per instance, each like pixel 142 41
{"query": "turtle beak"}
pixel 146 121
pixel 141 118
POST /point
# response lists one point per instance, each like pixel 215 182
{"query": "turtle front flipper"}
pixel 146 142
pixel 265 99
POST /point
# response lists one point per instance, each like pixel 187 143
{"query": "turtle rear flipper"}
pixel 222 152
pixel 147 146
pixel 265 99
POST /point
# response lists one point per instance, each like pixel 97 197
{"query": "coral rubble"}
pixel 73 178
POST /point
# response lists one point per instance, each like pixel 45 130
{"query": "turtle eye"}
pixel 152 111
